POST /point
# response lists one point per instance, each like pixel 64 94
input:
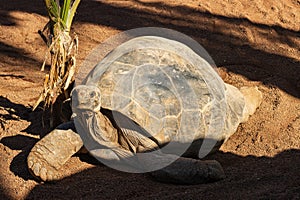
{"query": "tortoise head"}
pixel 86 98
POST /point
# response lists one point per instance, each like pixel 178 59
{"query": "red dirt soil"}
pixel 252 43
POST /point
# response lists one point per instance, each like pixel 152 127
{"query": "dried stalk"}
pixel 63 49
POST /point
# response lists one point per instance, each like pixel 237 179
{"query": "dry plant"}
pixel 63 49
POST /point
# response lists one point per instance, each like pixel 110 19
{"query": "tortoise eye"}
pixel 92 94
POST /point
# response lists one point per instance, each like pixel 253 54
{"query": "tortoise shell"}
pixel 163 86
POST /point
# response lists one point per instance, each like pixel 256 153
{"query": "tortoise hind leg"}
pixel 170 168
pixel 53 151
pixel 190 171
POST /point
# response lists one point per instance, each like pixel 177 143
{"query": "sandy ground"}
pixel 252 42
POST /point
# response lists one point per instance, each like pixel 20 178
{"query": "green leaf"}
pixel 65 11
pixel 53 8
pixel 72 13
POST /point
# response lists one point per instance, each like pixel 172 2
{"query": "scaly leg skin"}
pixel 53 151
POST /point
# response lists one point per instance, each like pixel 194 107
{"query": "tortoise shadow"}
pixel 275 177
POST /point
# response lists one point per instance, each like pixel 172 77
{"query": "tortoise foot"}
pixel 52 152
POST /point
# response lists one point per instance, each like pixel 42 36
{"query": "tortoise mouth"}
pixel 86 105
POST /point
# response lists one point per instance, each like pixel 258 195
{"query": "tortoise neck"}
pixel 99 128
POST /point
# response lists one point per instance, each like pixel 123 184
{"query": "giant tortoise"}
pixel 151 105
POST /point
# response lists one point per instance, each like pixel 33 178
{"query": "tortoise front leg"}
pixel 50 153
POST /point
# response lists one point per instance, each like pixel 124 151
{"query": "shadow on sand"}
pixel 18 112
pixel 276 177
